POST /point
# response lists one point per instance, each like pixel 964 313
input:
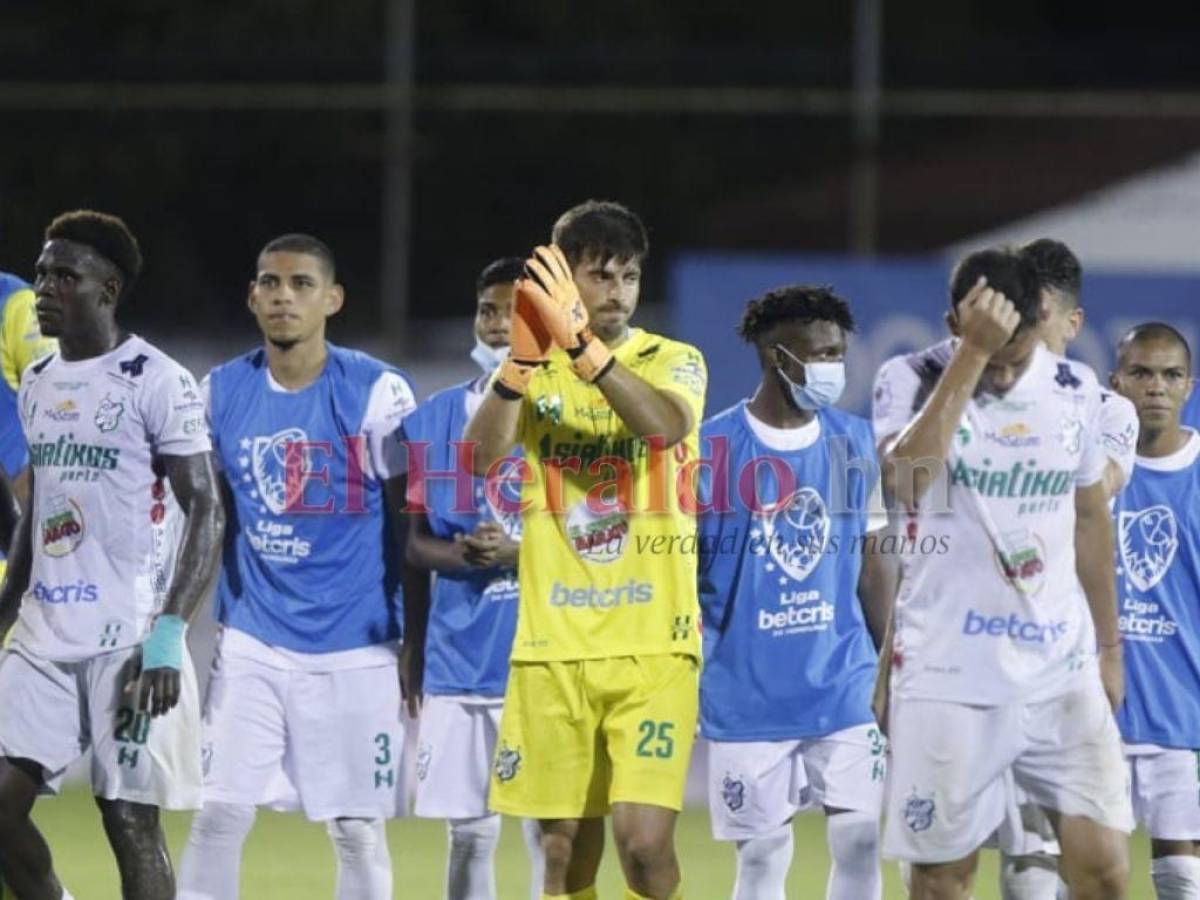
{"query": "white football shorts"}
pixel 950 788
pixel 53 712
pixel 456 740
pixel 328 743
pixel 756 786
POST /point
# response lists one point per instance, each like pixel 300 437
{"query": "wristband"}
pixel 163 647
pixel 512 379
pixel 591 360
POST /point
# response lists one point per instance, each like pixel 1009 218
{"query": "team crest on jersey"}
pixel 108 413
pixel 508 762
pixel 733 792
pixel 507 485
pixel 598 537
pixel 1070 434
pixel 796 532
pixel 546 407
pixel 1148 541
pixel 918 812
pixel 424 754
pixel 62 529
pixel 269 463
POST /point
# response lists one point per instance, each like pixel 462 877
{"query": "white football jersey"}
pixel 106 526
pixel 990 609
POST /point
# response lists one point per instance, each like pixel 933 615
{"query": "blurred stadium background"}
pixel 858 143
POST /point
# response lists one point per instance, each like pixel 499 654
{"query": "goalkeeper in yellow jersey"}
pixel 602 698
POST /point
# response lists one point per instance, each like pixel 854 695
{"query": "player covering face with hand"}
pixel 993 443
pixel 600 708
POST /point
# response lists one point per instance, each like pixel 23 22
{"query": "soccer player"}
pixel 601 704
pixel 1158 564
pixel 112 556
pixel 304 689
pixel 1030 870
pixel 21 342
pixel 790 580
pixel 472 548
pixel 993 449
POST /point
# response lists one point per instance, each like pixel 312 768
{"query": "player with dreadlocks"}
pixel 795 598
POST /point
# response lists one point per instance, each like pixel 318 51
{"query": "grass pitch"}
pixel 289 857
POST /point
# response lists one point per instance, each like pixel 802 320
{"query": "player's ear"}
pixel 1076 320
pixel 336 297
pixel 250 304
pixel 952 322
pixel 1112 381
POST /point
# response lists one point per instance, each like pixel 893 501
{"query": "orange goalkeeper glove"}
pixel 528 345
pixel 553 293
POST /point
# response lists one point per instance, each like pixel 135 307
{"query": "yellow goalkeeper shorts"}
pixel 580 735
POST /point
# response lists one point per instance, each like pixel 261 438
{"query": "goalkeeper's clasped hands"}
pixel 549 312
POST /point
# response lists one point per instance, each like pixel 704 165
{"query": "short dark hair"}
pixel 505 270
pixel 1153 331
pixel 303 243
pixel 107 234
pixel 794 303
pixel 1057 267
pixel 1007 271
pixel 603 229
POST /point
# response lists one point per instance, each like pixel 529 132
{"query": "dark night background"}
pixel 205 188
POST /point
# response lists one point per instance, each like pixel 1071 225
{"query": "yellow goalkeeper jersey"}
pixel 608 556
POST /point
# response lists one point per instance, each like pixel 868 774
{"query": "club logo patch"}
pixel 269 463
pixel 1148 541
pixel 918 812
pixel 508 762
pixel 733 792
pixel 796 531
pixel 108 413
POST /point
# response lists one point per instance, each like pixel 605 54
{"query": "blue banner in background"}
pixel 898 304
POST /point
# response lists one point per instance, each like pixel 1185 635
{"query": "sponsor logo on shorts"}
pixel 733 792
pixel 508 762
pixel 918 812
pixel 629 594
pixel 424 753
pixel 1012 626
pixel 62 529
pixel 79 592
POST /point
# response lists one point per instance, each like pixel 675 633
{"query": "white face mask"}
pixel 823 383
pixel 488 358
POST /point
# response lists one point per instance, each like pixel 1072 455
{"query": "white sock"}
pixel 66 895
pixel 532 832
pixel 1176 877
pixel 762 865
pixel 470 873
pixel 213 856
pixel 364 867
pixel 1033 877
pixel 854 852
